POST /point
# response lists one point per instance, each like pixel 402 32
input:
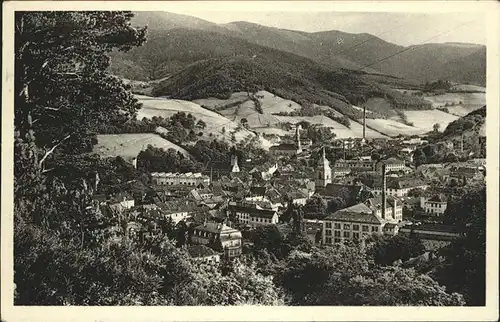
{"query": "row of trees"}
pixel 179 128
pixel 345 274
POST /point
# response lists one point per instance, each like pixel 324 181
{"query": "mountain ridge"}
pixel 338 49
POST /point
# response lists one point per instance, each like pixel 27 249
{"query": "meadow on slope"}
pixel 129 145
pixel 159 106
pixel 243 108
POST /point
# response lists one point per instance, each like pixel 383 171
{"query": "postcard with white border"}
pixel 250 161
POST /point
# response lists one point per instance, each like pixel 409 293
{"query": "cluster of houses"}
pixel 216 212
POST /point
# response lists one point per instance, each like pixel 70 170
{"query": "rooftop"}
pixel 358 213
pixel 262 213
pixel 284 146
pixel 178 175
pixel 438 198
pixel 216 228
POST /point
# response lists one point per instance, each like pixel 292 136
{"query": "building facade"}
pixel 360 164
pixel 397 187
pixel 288 149
pixel 212 234
pixel 434 206
pixel 188 179
pixel 351 224
pixel 252 214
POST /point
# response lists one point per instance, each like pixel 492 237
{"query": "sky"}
pixel 396 27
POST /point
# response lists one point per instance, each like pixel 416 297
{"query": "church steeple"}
pixel 323 172
pixel 234 164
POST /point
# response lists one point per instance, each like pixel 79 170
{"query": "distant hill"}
pixel 160 20
pixel 430 62
pixel 453 61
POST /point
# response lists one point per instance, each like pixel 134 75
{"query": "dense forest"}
pixel 65 253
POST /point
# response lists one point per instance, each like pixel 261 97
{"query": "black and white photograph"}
pixel 295 156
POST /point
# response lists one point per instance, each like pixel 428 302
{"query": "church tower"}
pixel 234 164
pixel 297 138
pixel 323 172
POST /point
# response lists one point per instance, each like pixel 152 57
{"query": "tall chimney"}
pixel 297 138
pixel 384 189
pixel 364 123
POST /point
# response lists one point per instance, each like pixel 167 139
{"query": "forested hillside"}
pixel 337 49
pixel 289 76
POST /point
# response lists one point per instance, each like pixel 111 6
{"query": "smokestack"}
pixel 384 189
pixel 297 138
pixel 364 123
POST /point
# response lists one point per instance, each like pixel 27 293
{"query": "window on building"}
pixel 328 232
pixel 328 240
pixel 355 227
pixel 337 240
pixel 355 236
pixel 374 229
pixel 347 226
pixel 337 226
pixel 329 225
pixel 365 227
pixel 337 233
pixel 346 234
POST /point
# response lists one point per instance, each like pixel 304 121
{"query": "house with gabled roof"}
pixel 353 223
pixel 252 214
pixel 393 210
pixel 219 237
pixel 435 205
pixel 352 194
pixel 204 254
pixel 398 186
pixel 189 178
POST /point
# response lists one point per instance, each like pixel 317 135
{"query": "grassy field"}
pixel 128 146
pixel 463 87
pixel 425 120
pixel 238 106
pixel 247 110
pixel 268 123
pixel 470 101
pixel 380 106
pixel 215 122
pixel 341 131
pixel 220 104
pixel 273 130
pixel 274 104
pixel 393 128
